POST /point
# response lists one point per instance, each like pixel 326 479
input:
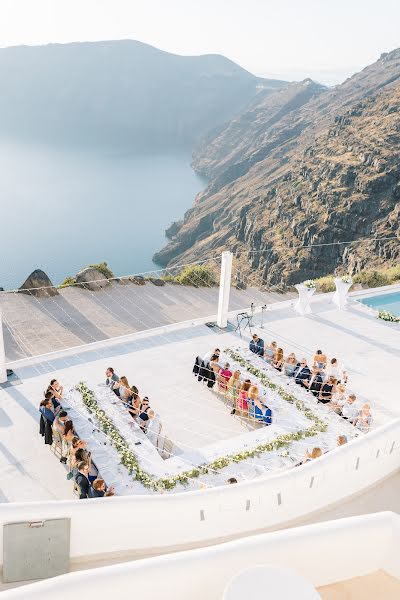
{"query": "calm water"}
pixel 390 302
pixel 62 210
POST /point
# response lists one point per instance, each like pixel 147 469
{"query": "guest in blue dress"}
pixel 264 414
pixel 257 410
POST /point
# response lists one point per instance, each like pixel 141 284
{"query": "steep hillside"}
pixel 328 170
pixel 121 93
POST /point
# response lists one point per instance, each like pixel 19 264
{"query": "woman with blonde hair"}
pixel 260 412
pixel 277 363
pixel 233 386
pixel 338 398
pixel 315 453
pixel 290 365
pixel 125 391
pixel 364 419
pixel 251 401
pixel 241 402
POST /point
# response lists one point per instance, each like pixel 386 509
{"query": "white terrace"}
pixel 198 422
pixel 360 477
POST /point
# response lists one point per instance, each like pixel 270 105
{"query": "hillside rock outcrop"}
pixel 92 279
pixel 38 284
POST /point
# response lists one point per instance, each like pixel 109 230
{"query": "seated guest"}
pixel 47 410
pixel 364 419
pixel 289 366
pixel 326 392
pixel 233 387
pixel 59 425
pixel 55 391
pixel 59 422
pixel 82 479
pixel 76 444
pixel 277 361
pixel 257 345
pixel 154 428
pixel 349 409
pixel 241 403
pixel 261 411
pixel 214 364
pixel 316 382
pixel 315 453
pixel 342 440
pixel 335 371
pixel 208 355
pixel 223 377
pixel 82 455
pixel 69 431
pixel 99 489
pixel 134 402
pixel 302 374
pixel 143 416
pixel 47 417
pixel 124 389
pixel 55 403
pixel 270 351
pixel 338 398
pixel 319 360
pixel 112 379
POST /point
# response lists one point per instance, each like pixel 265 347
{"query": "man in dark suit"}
pixel 99 489
pixel 316 383
pixel 82 479
pixel 112 379
pixel 257 345
pixel 302 374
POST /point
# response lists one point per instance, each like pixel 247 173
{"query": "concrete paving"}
pixel 78 316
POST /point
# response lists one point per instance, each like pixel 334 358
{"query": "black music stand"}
pixel 243 317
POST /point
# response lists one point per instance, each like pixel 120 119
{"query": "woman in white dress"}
pixel 153 429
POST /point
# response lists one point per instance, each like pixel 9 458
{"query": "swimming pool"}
pixel 389 302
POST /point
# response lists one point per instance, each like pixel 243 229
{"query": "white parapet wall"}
pixel 324 553
pixel 160 523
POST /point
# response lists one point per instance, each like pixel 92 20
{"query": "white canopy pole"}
pixel 224 289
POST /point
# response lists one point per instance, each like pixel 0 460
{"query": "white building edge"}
pixel 104 532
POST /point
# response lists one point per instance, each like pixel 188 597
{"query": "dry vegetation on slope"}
pixel 292 171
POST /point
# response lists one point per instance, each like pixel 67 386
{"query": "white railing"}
pixel 145 523
pixel 324 553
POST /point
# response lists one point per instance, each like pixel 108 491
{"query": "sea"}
pixel 62 209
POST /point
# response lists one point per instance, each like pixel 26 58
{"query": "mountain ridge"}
pixel 329 171
pixel 123 93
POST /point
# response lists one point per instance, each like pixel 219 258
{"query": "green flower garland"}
pixel 129 460
pixel 385 315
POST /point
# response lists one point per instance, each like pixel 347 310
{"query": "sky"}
pixel 327 40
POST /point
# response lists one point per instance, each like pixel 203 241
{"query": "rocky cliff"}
pixel 304 165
